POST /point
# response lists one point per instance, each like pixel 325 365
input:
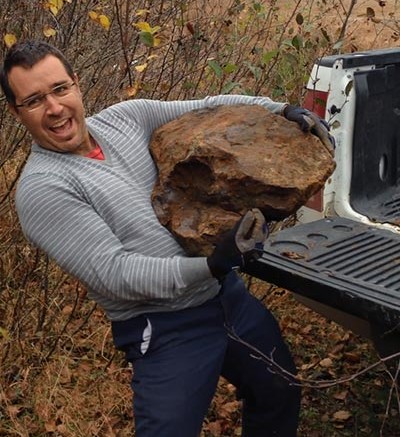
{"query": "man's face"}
pixel 58 124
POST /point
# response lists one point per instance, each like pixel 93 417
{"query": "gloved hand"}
pixel 241 244
pixel 310 122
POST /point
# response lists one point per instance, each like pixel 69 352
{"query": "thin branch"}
pixel 296 380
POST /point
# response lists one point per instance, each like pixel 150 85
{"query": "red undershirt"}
pixel 96 153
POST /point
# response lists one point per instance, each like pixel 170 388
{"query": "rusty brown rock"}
pixel 216 163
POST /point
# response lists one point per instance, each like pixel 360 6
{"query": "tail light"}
pixel 315 101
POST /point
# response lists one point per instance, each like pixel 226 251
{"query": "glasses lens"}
pixel 62 90
pixel 34 102
pixel 38 101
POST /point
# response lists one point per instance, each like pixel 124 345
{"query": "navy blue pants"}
pixel 177 366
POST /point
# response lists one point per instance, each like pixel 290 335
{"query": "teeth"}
pixel 59 124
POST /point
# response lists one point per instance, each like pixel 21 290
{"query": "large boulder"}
pixel 216 163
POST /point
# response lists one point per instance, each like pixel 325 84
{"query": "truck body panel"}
pixel 343 259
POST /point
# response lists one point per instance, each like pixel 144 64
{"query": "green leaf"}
pixel 216 68
pixel 338 45
pixel 291 59
pixel 255 70
pixel 147 38
pixel 228 87
pixel 297 42
pixel 230 68
pixel 266 57
pixel 257 7
pixel 287 42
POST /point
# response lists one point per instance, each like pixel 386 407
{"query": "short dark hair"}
pixel 26 54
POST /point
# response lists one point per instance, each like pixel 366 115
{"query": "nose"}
pixel 53 106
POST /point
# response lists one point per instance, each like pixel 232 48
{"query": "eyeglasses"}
pixel 37 101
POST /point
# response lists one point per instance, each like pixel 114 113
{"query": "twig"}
pixel 393 388
pixel 274 367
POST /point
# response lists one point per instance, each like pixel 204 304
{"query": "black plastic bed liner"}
pixel 340 263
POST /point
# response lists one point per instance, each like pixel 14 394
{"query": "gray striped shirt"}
pixel 96 220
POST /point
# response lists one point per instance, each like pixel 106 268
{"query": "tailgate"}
pixel 344 264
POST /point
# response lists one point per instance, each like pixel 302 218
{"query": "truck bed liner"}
pixel 344 264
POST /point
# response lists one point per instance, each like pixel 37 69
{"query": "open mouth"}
pixel 61 127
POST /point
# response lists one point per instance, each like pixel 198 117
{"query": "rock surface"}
pixel 216 163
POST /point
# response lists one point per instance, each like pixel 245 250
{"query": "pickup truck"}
pixel 342 259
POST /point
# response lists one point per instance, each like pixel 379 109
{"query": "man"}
pixel 84 198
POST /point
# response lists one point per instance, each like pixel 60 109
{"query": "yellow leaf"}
pixel 141 68
pixel 156 42
pixel 5 333
pixel 141 12
pixel 104 21
pixel 57 3
pixel 54 10
pixel 55 6
pixel 93 15
pixel 143 26
pixel 48 31
pixel 10 39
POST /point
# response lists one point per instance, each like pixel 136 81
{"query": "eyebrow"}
pixel 55 85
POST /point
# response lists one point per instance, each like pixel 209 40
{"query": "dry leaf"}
pixel 353 357
pixel 141 68
pixel 341 396
pixel 13 410
pixel 93 15
pixel 67 310
pixel 131 91
pixel 370 13
pixel 229 407
pixel 48 31
pixel 308 366
pixel 341 415
pixel 292 255
pixel 214 428
pixel 65 376
pixel 50 426
pixel 326 362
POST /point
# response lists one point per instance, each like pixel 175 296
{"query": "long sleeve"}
pixel 96 220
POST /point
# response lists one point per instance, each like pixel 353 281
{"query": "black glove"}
pixel 310 122
pixel 238 246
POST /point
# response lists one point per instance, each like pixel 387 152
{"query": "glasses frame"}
pixel 41 97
